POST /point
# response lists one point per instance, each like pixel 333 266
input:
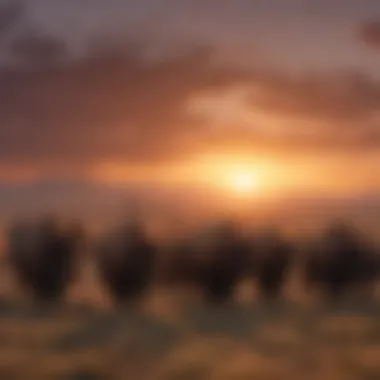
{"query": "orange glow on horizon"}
pixel 239 174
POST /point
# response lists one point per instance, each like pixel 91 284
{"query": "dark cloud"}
pixel 109 106
pixel 344 99
pixel 33 47
pixel 116 101
pixel 369 33
pixel 10 14
pixel 121 106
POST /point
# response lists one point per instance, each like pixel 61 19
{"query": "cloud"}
pixel 338 105
pixel 10 14
pixel 316 111
pixel 118 106
pixel 122 106
pixel 34 47
pixel 369 33
pixel 120 97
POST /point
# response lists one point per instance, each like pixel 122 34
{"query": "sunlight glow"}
pixel 241 182
pixel 232 175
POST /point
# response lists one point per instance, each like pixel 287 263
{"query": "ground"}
pixel 176 337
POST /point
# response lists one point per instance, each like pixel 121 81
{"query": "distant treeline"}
pixel 44 256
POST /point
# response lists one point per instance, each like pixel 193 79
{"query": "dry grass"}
pixel 169 340
pixel 176 337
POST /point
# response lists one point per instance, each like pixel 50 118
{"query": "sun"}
pixel 232 176
pixel 241 182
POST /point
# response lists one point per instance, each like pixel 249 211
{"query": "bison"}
pixel 271 262
pixel 42 255
pixel 214 259
pixel 341 260
pixel 126 259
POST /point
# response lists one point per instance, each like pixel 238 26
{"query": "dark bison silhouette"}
pixel 126 259
pixel 340 260
pixel 42 255
pixel 271 261
pixel 214 259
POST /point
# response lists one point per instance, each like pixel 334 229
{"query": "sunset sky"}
pixel 186 92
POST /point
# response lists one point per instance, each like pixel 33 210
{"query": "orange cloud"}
pixel 123 107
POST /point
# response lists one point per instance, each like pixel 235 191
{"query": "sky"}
pixel 173 92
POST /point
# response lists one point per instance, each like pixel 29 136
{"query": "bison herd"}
pixel 44 258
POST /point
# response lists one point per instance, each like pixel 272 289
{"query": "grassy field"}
pixel 176 337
